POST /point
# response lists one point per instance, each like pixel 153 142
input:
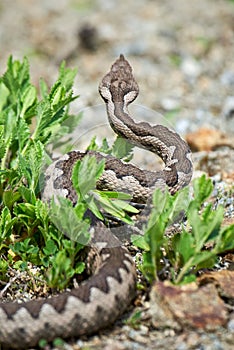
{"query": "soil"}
pixel 182 54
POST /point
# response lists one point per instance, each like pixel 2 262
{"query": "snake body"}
pixel 101 299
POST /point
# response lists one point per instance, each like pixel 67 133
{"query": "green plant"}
pixel 121 148
pixel 27 125
pixel 184 251
pixel 31 231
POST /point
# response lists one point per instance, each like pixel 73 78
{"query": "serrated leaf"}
pixel 43 88
pixel 42 211
pixel 43 117
pixel 25 210
pixel 6 224
pixel 23 133
pixel 4 93
pixel 10 197
pixel 28 98
pixel 27 194
pixel 16 78
pixel 31 163
pixel 3 145
pixel 202 188
pixel 93 146
pixel 67 76
pixel 10 126
pixel 58 94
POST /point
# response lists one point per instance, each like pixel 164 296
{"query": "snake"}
pixel 102 298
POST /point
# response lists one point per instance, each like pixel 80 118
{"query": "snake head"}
pixel 119 85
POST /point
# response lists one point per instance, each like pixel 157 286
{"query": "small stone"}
pixel 230 325
pixel 228 114
pixel 181 346
pixel 191 67
pixel 182 126
pixel 170 103
pixel 227 78
pixel 144 330
pixel 136 336
pixel 169 306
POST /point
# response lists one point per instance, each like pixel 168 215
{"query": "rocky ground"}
pixel 182 54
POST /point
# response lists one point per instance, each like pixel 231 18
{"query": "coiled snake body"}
pixel 106 294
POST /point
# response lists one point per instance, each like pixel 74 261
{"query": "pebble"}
pixel 173 28
pixel 169 104
pixel 227 78
pixel 228 114
pixel 182 126
pixel 230 325
pixel 190 67
pixel 181 346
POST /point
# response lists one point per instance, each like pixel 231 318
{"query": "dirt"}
pixel 182 53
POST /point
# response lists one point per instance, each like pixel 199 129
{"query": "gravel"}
pixel 182 53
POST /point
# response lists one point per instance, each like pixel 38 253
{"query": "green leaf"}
pixel 61 271
pixel 30 164
pixel 202 188
pixel 205 227
pixel 184 244
pixel 65 219
pixel 50 247
pixel 93 146
pixel 27 194
pixel 3 145
pixel 10 197
pixel 28 98
pixel 25 210
pixel 85 174
pixel 122 149
pixel 67 76
pixel 92 205
pixel 80 267
pixel 23 133
pixel 225 240
pixel 22 149
pixel 6 224
pixel 43 89
pixel 4 93
pixel 16 78
pixel 43 130
pixel 188 279
pixel 185 251
pixel 119 195
pixel 113 207
pixel 139 241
